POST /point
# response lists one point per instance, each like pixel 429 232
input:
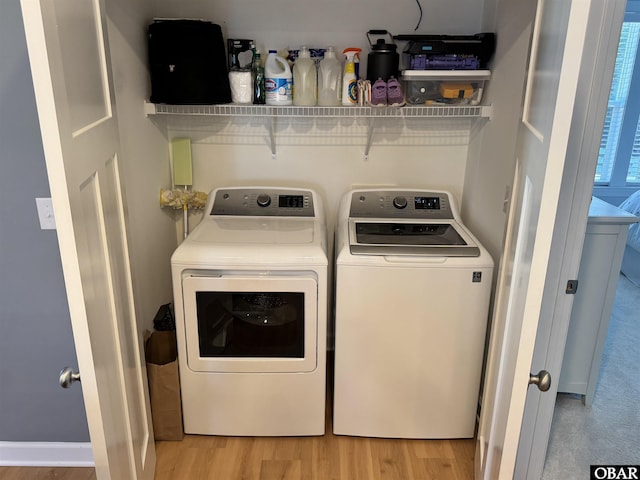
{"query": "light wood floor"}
pixel 314 458
pixel 310 458
pixel 330 457
pixel 322 458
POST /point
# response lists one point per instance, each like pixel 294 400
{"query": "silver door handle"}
pixel 542 380
pixel 67 377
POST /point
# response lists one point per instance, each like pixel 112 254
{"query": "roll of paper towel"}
pixel 241 86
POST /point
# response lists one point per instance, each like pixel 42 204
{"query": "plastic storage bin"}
pixel 444 87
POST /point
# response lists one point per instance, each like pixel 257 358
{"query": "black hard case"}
pixel 188 63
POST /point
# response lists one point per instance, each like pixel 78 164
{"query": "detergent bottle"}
pixel 329 80
pixel 349 80
pixel 305 82
pixel 278 81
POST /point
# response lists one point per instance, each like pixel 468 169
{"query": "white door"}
pixel 596 73
pixel 69 60
pixel 554 64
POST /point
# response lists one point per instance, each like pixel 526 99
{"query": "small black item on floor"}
pixel 164 321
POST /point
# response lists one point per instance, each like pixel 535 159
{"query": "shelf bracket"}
pixel 272 137
pixel 370 129
pixel 486 111
pixel 149 109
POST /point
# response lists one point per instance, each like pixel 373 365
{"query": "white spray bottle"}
pixel 349 80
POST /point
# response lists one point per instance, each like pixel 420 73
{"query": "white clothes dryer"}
pixel 250 296
pixel 412 298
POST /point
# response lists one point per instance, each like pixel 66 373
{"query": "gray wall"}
pixel 35 330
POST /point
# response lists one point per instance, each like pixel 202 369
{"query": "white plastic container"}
pixel 349 80
pixel 278 80
pixel 444 87
pixel 329 80
pixel 305 79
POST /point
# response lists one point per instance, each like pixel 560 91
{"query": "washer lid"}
pixel 254 230
pixel 442 239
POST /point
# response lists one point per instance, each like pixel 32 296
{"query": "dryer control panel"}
pixel 263 202
pixel 430 205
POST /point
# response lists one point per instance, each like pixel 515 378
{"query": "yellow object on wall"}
pixel 181 160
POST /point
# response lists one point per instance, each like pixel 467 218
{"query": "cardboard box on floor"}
pixel 164 384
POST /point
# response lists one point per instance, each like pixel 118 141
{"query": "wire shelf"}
pixel 250 124
pixel 462 111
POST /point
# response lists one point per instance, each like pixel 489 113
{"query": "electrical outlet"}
pixel 45 214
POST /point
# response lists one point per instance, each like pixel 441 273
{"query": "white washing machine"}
pixel 250 295
pixel 412 299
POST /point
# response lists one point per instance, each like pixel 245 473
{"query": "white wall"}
pixel 330 170
pixel 492 153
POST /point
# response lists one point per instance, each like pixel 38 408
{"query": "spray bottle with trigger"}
pixel 350 79
pixel 356 58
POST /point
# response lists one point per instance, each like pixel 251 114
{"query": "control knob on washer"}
pixel 400 202
pixel 263 200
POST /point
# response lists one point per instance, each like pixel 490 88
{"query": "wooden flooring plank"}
pixel 431 449
pixel 390 459
pixel 356 461
pixel 47 473
pixel 435 469
pixel 280 470
pixel 464 451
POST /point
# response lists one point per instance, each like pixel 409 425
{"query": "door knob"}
pixel 67 377
pixel 542 380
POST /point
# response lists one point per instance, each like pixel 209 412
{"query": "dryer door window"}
pixel 250 324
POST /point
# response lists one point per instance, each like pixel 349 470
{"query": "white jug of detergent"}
pixel 329 80
pixel 305 83
pixel 278 80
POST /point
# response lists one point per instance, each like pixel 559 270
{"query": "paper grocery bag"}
pixel 164 385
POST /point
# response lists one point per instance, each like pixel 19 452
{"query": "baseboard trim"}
pixel 46 454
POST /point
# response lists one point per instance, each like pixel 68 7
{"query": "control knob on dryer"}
pixel 263 200
pixel 400 202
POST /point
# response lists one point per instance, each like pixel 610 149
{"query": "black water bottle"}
pixel 383 60
pixel 259 96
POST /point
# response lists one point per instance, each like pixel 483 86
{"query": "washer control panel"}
pixel 401 204
pixel 263 202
